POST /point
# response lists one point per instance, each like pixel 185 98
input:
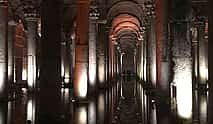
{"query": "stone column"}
pixel 203 71
pixel 11 47
pixel 106 57
pixel 3 49
pixel 66 61
pixel 182 58
pixel 162 62
pixel 145 57
pixel 195 104
pixel 141 60
pixel 152 52
pixel 50 106
pixel 93 16
pixel 63 57
pixel 109 57
pixel 210 65
pixel 69 55
pixel 81 48
pixel 31 19
pixel 101 56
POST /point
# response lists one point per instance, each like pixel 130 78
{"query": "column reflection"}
pixel 31 110
pixel 80 114
pixel 101 107
pixel 92 115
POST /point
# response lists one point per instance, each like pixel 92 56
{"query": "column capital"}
pixel 30 10
pixel 3 3
pixel 199 21
pixel 194 33
pixel 94 13
pixel 149 8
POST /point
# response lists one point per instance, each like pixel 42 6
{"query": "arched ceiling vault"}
pixel 125 7
pixel 125 30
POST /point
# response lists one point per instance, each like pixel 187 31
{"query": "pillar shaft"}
pixel 141 75
pixel 203 73
pixel 50 106
pixel 101 56
pixel 152 52
pixel 203 61
pixel 92 54
pixel 162 61
pixel 182 67
pixel 195 68
pixel 31 52
pixel 81 50
pixel 210 66
pixel 11 43
pixel 145 58
pixel 182 58
pixel 162 44
pixel 3 48
pixel 66 59
pixel 139 60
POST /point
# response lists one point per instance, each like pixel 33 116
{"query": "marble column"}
pixel 66 61
pixel 31 49
pixel 141 60
pixel 203 72
pixel 210 65
pixel 152 52
pixel 50 105
pixel 101 56
pixel 81 50
pixel 92 49
pixel 195 103
pixel 3 49
pixel 11 47
pixel 162 62
pixel 182 58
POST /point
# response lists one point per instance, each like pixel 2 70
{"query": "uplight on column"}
pixel 81 115
pixel 31 110
pixel 31 72
pixel 81 83
pixel 2 75
pixel 92 73
pixel 203 72
pixel 101 73
pixel 24 74
pixel 183 79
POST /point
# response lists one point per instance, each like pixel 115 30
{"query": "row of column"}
pixel 173 59
pixel 7 50
pixel 85 57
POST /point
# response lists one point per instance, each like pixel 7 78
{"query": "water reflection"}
pixel 102 108
pixel 31 110
pixel 80 115
pixel 203 109
pixel 92 111
pixel 3 113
